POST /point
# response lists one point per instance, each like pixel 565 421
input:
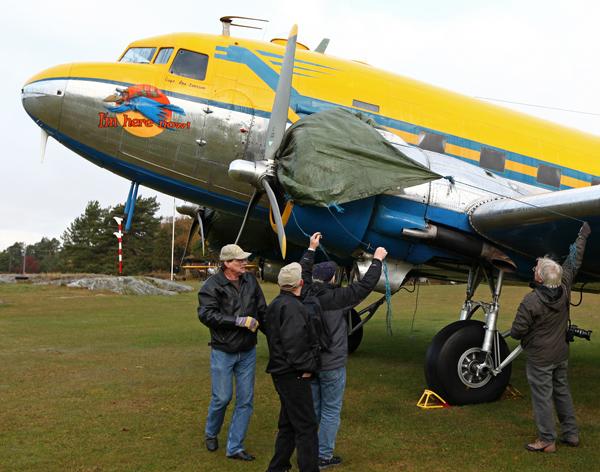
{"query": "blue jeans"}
pixel 223 368
pixel 328 394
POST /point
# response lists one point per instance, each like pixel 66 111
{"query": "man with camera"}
pixel 541 325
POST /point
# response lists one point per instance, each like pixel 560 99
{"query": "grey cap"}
pixel 290 275
pixel 233 251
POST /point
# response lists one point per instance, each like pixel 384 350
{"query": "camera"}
pixel 574 331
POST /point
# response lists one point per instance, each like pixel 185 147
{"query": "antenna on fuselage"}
pixel 322 46
pixel 227 22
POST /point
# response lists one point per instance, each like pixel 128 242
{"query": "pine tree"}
pixel 11 259
pixel 86 243
pixel 47 254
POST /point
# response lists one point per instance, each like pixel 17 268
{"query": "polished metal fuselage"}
pixel 176 161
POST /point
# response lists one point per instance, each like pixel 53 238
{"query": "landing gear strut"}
pixel 356 321
pixel 468 361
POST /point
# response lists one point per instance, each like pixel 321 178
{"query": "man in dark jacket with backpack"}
pixel 293 362
pixel 329 383
pixel 541 325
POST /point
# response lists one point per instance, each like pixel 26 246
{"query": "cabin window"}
pixel 432 142
pixel 548 175
pixel 365 106
pixel 595 180
pixel 163 56
pixel 492 159
pixel 138 55
pixel 190 64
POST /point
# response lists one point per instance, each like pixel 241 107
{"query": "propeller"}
pixel 261 172
pixel 196 212
pixel 44 142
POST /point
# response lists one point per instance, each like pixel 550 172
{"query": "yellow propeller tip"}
pixel 294 31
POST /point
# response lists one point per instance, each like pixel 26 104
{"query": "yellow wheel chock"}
pixel 430 399
pixel 511 393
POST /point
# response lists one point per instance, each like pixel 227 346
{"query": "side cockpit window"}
pixel 163 56
pixel 138 55
pixel 190 64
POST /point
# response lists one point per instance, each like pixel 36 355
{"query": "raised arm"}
pixel 346 297
pixel 308 260
pixel 575 257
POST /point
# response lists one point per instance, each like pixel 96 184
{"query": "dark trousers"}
pixel 297 425
pixel 549 385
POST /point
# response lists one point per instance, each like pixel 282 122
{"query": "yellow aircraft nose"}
pixel 42 96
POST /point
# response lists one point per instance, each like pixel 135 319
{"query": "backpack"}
pixel 319 327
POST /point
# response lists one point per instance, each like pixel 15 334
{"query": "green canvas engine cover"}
pixel 337 156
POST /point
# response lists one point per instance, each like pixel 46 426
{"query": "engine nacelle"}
pixel 396 272
pixel 270 270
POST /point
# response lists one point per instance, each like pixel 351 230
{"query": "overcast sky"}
pixel 536 52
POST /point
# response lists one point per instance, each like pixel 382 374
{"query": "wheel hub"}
pixel 474 368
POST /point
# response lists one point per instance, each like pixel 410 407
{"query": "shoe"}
pixel 333 460
pixel 541 446
pixel 242 456
pixel 570 442
pixel 212 444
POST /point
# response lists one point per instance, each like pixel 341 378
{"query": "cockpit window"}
pixel 139 55
pixel 163 55
pixel 190 64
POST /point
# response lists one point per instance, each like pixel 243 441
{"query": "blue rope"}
pixel 321 246
pixel 366 245
pixel 388 288
pixel 336 206
pixel 572 257
pixel 388 300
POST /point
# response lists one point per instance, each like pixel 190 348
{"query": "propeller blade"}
pixel 277 216
pixel 189 239
pixel 251 204
pixel 201 225
pixel 44 142
pixel 279 113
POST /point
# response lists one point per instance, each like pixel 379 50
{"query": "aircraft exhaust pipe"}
pixel 462 243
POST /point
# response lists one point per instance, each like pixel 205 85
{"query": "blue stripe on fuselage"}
pixel 304 105
pixel 309 105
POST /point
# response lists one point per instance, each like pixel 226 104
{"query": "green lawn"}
pixel 101 382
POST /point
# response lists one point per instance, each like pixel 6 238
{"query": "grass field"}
pixel 99 382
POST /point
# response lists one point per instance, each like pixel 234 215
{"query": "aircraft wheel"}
pixel 451 361
pixel 355 338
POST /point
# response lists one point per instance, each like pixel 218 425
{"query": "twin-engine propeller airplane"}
pixel 455 189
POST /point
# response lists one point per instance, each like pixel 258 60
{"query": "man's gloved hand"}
pixel 247 322
pixel 585 230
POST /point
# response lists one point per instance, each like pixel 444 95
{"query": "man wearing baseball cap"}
pixel 233 306
pixel 293 361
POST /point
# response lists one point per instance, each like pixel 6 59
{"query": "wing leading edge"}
pixel 543 224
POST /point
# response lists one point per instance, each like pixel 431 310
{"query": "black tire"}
pixel 442 360
pixel 355 338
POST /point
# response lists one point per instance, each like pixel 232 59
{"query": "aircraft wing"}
pixel 543 224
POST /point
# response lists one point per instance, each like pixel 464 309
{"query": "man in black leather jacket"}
pixel 293 361
pixel 233 306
